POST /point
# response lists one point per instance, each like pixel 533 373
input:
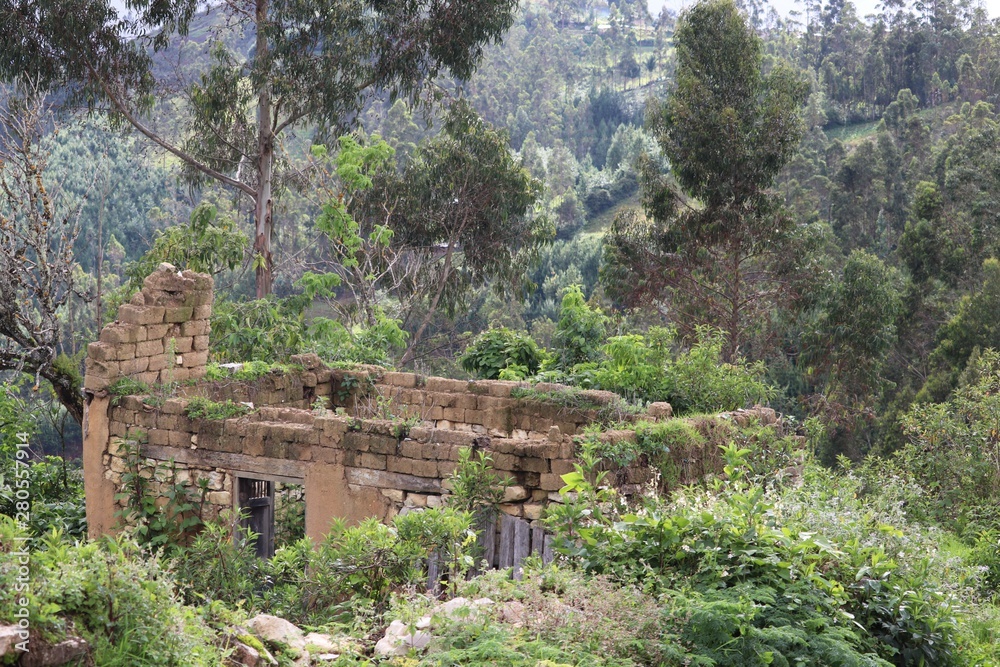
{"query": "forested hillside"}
pixel 719 209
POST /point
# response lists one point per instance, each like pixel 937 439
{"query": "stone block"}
pixel 515 493
pixel 424 468
pixel 199 343
pixel 224 498
pixel 149 377
pixel 177 314
pixel 101 352
pixel 194 359
pixel 532 511
pixel 445 385
pixel 102 369
pixel 203 312
pixel 455 415
pixel 395 495
pixel 562 466
pixel 381 444
pixel 157 363
pixel 511 509
pixel 179 439
pixel 275 449
pixel 118 333
pixel 156 331
pixel 446 468
pixel 133 366
pixel 180 344
pixel 551 482
pixel 371 461
pixel 405 380
pixel 355 441
pixel 502 388
pixel 300 451
pixel 149 348
pixel 411 449
pixel 195 328
pixel 140 314
pixel 328 455
pixel 399 464
pixel 466 401
pixel 507 462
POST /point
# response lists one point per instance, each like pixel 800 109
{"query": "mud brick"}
pixel 455 415
pixel 102 369
pixel 381 444
pixel 466 401
pixel 356 441
pixel 178 439
pixel 131 403
pixel 157 363
pixel 300 451
pixel 399 464
pixel 149 348
pixel 133 366
pixel 168 422
pixel 445 385
pixel 203 312
pixel 446 468
pixel 156 331
pixel 149 377
pixel 192 359
pixel 253 444
pixel 101 352
pixel 199 343
pixel 275 449
pixel 551 482
pixel 476 417
pixel 562 466
pixel 177 314
pixel 195 328
pixel 146 418
pixel 433 413
pixel 181 344
pixel 531 464
pixel 118 333
pixel 405 380
pixel 505 462
pixel 158 437
pixel 373 461
pixel 140 314
pixel 424 468
pixel 117 428
pixel 327 455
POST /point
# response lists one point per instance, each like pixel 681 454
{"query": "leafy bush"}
pixel 635 365
pixel 699 381
pixel 199 407
pixel 744 576
pixel 121 598
pixel 495 351
pixel 579 331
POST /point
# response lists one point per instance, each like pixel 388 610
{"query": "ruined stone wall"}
pixel 160 336
pixel 385 442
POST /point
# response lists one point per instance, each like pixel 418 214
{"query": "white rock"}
pixel 276 629
pixel 398 640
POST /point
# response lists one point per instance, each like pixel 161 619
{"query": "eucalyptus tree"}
pixel 715 242
pixel 312 64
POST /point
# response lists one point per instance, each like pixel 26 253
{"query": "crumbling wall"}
pixel 378 442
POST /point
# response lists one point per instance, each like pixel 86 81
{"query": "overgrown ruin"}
pixel 364 442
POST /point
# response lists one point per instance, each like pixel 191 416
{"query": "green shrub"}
pixel 699 381
pixel 495 351
pixel 579 331
pixel 119 597
pixel 199 407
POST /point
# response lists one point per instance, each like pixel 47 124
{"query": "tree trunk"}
pixel 265 169
pixel 67 394
pixel 418 334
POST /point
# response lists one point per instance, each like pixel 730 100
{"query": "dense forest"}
pixel 716 209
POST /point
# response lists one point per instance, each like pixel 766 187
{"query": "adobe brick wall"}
pixel 353 461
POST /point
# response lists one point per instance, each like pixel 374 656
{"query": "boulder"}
pixel 51 655
pixel 10 636
pixel 399 640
